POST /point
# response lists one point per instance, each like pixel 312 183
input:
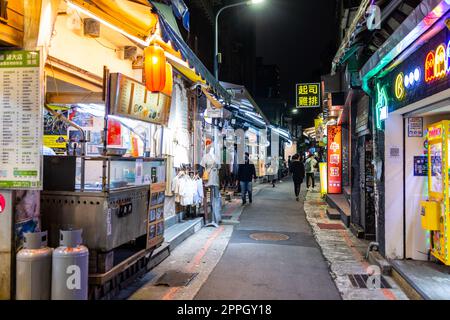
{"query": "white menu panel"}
pixel 20 120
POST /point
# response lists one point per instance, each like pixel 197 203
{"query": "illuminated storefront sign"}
pixel 420 75
pixel 308 95
pixel 323 178
pixel 381 106
pixel 399 86
pixel 334 177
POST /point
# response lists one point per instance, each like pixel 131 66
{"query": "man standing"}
pixel 298 174
pixel 310 166
pixel 246 174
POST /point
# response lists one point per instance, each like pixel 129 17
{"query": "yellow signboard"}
pixel 307 95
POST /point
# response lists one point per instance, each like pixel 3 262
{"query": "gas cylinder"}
pixel 70 267
pixel 34 268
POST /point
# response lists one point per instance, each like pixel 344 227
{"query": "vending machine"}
pixel 435 211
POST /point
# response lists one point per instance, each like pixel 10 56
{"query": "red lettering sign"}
pixel 334 159
pixel 434 132
pixel 2 203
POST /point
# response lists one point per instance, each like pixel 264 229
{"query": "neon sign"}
pixel 437 63
pixel 381 106
pixel 429 67
pixel 399 86
pixel 440 63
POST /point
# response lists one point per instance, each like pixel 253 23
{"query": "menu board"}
pixel 21 120
pixel 155 228
pixel 130 98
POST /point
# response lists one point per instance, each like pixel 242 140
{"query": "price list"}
pixel 20 120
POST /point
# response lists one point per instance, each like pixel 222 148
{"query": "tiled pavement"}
pixel 344 253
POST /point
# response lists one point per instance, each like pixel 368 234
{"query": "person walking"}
pixel 310 167
pixel 297 169
pixel 246 174
pixel 289 163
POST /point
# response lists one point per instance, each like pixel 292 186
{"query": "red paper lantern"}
pixel 169 80
pixel 155 68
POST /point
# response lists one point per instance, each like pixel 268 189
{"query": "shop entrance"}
pixel 416 239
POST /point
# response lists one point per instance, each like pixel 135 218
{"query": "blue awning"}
pixel 170 33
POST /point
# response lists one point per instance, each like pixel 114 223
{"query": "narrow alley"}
pixel 271 254
pixel 271 269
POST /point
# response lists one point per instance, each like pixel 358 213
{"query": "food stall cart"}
pixel 112 186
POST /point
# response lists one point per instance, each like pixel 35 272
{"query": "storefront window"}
pixel 436 167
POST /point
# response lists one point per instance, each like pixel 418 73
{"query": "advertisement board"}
pixel 334 159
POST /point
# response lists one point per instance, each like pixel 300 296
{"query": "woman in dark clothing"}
pixel 298 174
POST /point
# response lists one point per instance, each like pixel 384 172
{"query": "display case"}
pixel 100 173
pixel 108 197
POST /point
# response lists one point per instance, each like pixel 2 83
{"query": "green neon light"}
pixel 382 102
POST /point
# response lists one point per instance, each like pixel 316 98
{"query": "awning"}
pixel 216 104
pixel 243 102
pixel 169 34
pixel 135 19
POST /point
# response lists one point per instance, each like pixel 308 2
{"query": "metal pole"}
pixel 216 35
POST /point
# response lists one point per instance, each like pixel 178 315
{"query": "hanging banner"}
pixel 21 120
pixel 334 159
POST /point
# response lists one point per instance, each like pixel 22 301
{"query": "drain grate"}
pixel 360 281
pixel 269 236
pixel 331 226
pixel 175 278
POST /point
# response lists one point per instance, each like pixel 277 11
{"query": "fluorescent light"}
pixel 145 43
pixel 281 132
pixel 255 118
pixel 256 1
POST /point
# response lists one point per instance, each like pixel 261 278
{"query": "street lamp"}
pixel 294 111
pixel 216 34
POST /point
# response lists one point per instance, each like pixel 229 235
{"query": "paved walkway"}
pixel 314 263
pixel 290 269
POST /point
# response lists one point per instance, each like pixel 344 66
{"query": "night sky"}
pixel 300 36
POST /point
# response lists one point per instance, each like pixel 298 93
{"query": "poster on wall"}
pixel 415 127
pixel 420 166
pixel 334 176
pixel 56 130
pixel 21 120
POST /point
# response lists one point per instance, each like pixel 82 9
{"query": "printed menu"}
pixel 21 120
